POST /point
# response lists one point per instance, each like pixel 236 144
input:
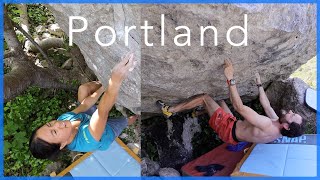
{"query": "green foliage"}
pixel 152 151
pixel 21 116
pixel 57 58
pixel 114 113
pixel 148 145
pixel 14 13
pixel 308 73
pixel 39 15
pixel 130 131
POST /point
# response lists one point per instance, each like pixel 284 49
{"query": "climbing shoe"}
pixel 164 109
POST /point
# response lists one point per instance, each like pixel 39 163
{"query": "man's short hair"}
pixel 295 129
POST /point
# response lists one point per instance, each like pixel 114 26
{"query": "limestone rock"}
pixel 43 63
pixel 100 59
pixel 167 136
pixel 149 168
pixel 45 35
pixel 168 172
pixel 290 94
pixel 55 30
pixel 281 37
pixel 190 127
pixel 39 29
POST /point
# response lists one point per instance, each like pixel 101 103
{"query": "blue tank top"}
pixel 83 141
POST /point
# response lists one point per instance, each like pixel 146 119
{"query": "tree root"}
pixel 48 43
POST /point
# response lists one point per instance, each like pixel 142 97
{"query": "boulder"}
pixel 281 37
pixel 100 59
pixel 168 172
pixel 290 95
pixel 40 29
pixel 55 30
pixel 172 139
pixel 149 168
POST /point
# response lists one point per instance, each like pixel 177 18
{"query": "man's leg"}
pixel 202 100
pixel 210 105
pixel 87 89
pixel 225 107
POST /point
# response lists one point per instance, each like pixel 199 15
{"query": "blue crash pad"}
pixel 311 98
pixel 113 162
pixel 282 160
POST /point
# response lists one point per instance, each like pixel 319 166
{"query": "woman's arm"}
pixel 99 118
pixel 89 101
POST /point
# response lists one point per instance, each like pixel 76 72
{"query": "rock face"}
pixel 281 37
pixel 149 168
pixel 102 59
pixel 173 139
pixel 168 172
pixel 290 94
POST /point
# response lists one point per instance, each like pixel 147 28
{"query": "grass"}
pixel 308 73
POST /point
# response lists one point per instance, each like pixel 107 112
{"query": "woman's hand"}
pixel 121 70
pixel 228 69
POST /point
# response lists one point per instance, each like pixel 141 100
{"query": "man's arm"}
pixel 264 101
pixel 89 101
pixel 250 115
pixel 99 118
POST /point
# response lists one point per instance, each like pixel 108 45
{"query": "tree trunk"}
pixel 11 38
pixel 24 17
pixel 25 73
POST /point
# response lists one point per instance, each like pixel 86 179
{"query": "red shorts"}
pixel 222 123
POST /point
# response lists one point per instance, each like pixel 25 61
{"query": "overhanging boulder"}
pixel 102 59
pixel 281 37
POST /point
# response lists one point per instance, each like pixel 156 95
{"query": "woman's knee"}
pixel 83 89
pixel 83 92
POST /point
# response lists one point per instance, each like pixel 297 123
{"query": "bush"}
pixel 21 116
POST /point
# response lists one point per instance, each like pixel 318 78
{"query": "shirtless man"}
pixel 254 128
